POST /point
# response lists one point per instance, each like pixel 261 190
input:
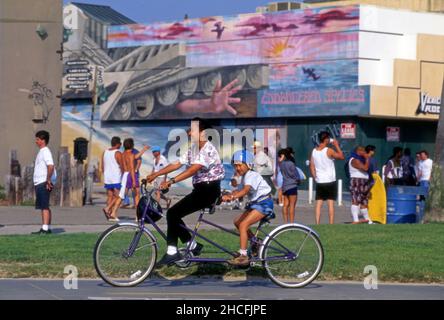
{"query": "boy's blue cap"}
pixel 155 149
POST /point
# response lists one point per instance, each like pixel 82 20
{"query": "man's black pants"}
pixel 203 195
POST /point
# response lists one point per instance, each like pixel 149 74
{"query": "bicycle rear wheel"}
pixel 293 257
pixel 124 255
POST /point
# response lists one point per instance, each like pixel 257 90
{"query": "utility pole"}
pixel 97 80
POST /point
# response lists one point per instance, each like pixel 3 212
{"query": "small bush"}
pixel 2 193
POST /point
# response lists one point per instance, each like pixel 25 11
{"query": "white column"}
pixel 339 192
pixel 310 190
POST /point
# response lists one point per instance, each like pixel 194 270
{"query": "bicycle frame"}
pixel 286 254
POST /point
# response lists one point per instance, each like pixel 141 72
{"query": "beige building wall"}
pixel 30 77
pixel 412 80
pixel 415 5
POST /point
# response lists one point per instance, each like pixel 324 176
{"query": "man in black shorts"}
pixel 323 170
pixel 44 178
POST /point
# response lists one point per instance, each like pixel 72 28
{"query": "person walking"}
pixel 44 179
pixel 205 166
pixel 128 174
pixel 322 169
pixel 126 202
pixel 160 162
pixel 112 174
pixel 290 184
pixel 263 165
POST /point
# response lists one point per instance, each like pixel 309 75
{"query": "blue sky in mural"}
pixel 168 10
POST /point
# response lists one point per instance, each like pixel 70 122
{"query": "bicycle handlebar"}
pixel 144 184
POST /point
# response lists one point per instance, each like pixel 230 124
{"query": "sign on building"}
pixel 348 131
pixel 429 104
pixel 393 134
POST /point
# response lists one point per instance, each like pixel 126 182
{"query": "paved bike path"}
pixel 192 288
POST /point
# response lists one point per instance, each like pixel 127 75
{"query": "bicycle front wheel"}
pixel 125 255
pixel 293 257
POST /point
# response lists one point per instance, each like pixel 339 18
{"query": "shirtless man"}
pixel 129 172
pixel 111 168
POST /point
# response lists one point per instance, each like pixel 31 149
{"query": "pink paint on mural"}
pixel 238 28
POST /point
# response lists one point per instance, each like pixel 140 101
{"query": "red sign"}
pixel 393 134
pixel 348 131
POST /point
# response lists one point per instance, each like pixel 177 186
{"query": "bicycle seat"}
pixel 212 208
pixel 267 219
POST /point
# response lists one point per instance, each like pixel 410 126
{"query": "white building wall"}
pixel 389 34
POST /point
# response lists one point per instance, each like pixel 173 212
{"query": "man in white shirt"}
pixel 203 163
pixel 425 170
pixel 160 162
pixel 263 165
pixel 322 169
pixel 44 179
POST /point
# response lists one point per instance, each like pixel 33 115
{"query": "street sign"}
pixel 348 131
pixel 77 86
pixel 78 70
pixel 79 78
pixel 77 63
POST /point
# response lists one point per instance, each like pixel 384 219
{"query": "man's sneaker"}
pixel 240 261
pixel 41 231
pixel 196 251
pixel 168 259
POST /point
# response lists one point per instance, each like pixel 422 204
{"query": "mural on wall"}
pixel 76 123
pixel 42 98
pixel 184 69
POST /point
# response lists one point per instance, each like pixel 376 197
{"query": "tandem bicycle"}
pixel 126 253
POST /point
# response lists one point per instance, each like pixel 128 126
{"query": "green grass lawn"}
pixel 401 253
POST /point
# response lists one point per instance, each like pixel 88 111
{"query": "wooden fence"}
pixel 67 192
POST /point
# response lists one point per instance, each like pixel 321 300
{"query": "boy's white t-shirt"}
pixel 42 161
pixel 259 187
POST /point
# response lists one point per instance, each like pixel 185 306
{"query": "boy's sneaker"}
pixel 240 261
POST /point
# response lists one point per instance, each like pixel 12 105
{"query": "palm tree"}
pixel 435 200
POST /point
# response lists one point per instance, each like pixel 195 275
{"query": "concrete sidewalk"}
pixel 24 220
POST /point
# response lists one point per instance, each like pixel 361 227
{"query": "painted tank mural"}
pixel 235 69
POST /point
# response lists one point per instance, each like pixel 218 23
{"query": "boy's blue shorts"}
pixel 265 207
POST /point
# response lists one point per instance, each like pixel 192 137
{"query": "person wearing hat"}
pixel 263 165
pixel 160 162
pixel 260 203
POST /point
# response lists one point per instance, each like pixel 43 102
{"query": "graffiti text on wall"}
pixel 41 95
pixel 429 104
